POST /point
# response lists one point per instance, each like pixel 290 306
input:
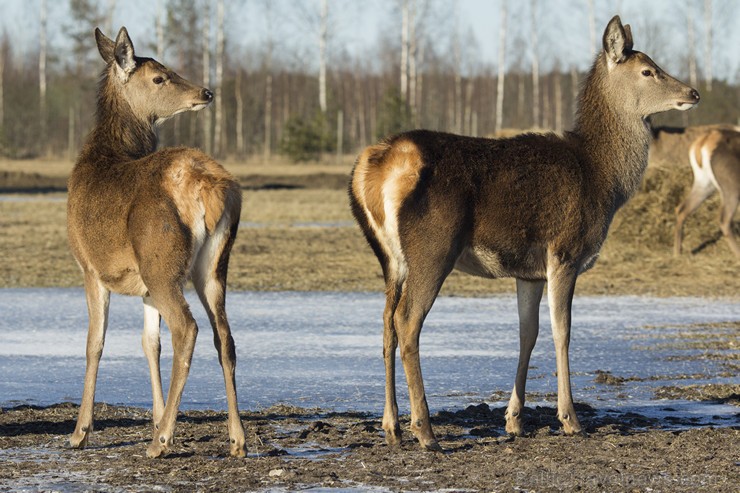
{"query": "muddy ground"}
pixel 293 449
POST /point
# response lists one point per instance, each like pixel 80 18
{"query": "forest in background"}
pixel 271 98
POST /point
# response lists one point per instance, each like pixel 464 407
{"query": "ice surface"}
pixel 325 350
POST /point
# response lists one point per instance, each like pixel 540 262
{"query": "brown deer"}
pixel 142 223
pixel 715 162
pixel 533 207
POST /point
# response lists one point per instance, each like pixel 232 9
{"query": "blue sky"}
pixel 659 27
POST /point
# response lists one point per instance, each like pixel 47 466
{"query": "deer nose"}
pixel 208 95
pixel 694 94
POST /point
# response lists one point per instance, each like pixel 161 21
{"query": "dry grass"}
pixel 305 239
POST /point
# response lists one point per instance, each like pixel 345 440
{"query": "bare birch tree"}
pixel 457 103
pixel 535 65
pixel 323 21
pixel 501 69
pixel 159 28
pixel 206 40
pixel 239 109
pixel 412 64
pixel 558 100
pixel 691 39
pixel 708 32
pixel 42 77
pixel 3 50
pixel 591 26
pixel 267 146
pixel 109 16
pixel 404 49
pixel 219 137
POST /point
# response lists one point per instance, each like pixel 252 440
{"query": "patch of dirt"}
pixel 717 392
pixel 292 448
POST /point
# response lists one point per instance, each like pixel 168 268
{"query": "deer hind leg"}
pixel 560 288
pixel 528 295
pixel 98 299
pixel 390 343
pixel 425 278
pixel 170 302
pixel 152 349
pixel 701 189
pixel 209 279
pixel 729 206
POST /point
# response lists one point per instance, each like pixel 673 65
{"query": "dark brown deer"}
pixel 142 223
pixel 715 162
pixel 533 207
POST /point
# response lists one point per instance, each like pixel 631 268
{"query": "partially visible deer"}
pixel 715 162
pixel 142 223
pixel 533 207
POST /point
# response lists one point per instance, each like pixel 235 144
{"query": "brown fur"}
pixel 716 155
pixel 142 222
pixel 533 207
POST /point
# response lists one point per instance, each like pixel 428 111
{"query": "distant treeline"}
pixel 272 106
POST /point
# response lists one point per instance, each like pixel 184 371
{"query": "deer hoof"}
pixel 155 450
pixel 158 446
pixel 431 445
pixel 78 439
pixel 514 427
pixel 393 436
pixel 238 449
pixel 571 426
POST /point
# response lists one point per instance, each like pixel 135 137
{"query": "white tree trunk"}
pixel 340 135
pixel 239 113
pixel 360 101
pixel 2 92
pixel 109 17
pixel 708 31
pixel 322 55
pixel 207 73
pixel 159 27
pixel 457 112
pixel 412 64
pixel 42 78
pixel 691 38
pixel 535 67
pixel 404 49
pixel 501 69
pixel 219 139
pixel 592 26
pixel 558 103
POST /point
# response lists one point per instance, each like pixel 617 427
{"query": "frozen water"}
pixel 317 349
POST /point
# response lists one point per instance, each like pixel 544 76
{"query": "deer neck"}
pixel 615 143
pixel 119 134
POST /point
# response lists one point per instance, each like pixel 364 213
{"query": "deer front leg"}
pixel 560 288
pixel 528 295
pixel 98 299
pixel 152 350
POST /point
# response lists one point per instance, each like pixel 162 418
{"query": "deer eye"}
pixel 159 79
pixel 647 73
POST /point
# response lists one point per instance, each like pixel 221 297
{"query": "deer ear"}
pixel 617 42
pixel 106 46
pixel 627 37
pixel 124 52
